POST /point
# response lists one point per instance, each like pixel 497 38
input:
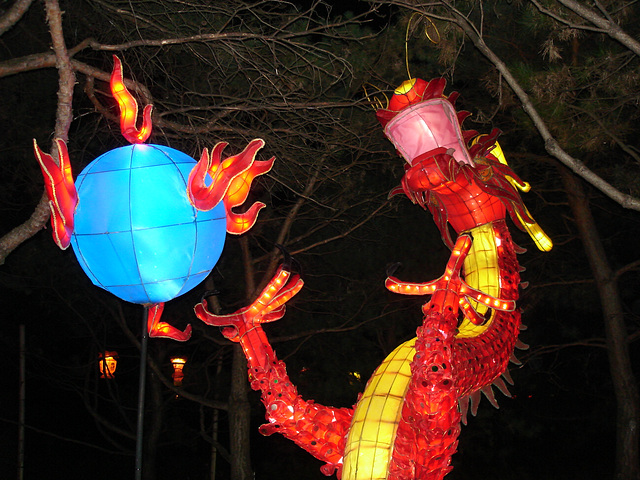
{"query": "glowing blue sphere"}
pixel 136 234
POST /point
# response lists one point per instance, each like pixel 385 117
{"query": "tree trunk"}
pixel 624 382
pixel 239 407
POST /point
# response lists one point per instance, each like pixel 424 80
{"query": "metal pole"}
pixel 21 403
pixel 141 391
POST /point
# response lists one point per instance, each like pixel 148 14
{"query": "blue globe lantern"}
pixel 136 234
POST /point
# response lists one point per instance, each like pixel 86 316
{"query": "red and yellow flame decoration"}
pixel 212 179
pixel 230 181
pixel 61 192
pixel 129 108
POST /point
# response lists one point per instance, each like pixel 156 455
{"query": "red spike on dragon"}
pixel 406 423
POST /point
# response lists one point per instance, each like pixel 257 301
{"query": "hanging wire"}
pixel 426 34
pixel 375 102
pixel 430 31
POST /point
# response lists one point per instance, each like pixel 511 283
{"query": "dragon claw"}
pixel 451 281
pixel 268 307
pixel 244 325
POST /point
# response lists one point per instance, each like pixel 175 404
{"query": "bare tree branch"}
pixel 158 371
pixel 64 116
pixel 14 14
pixel 67 439
pixel 629 267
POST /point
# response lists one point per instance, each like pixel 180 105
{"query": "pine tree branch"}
pixel 617 140
pixel 564 21
pixel 607 25
pixel 551 144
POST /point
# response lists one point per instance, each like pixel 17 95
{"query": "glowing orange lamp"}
pixel 108 361
pixel 178 367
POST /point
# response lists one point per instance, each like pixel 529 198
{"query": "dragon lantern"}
pixel 406 424
pixel 147 222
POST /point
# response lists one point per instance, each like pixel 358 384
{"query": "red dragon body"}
pixel 406 424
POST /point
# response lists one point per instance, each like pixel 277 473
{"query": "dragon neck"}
pixel 481 354
pixel 475 357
